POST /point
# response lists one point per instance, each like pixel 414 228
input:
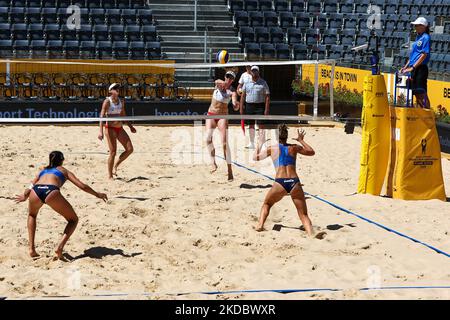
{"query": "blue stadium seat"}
pixel 117 33
pixel 5 31
pixel 33 15
pixel 88 50
pixel 314 6
pixel 330 6
pixel 145 17
pixel 138 50
pixel 318 52
pixel 129 16
pixel 319 21
pixel 250 5
pixel 104 50
pixel 38 49
pixel 294 36
pixel 149 34
pixel 97 16
pixel 5 3
pixel 268 51
pixel 17 15
pixel 298 6
pixel 55 49
pixel 350 22
pixel 153 50
pixel 283 52
pixel 286 19
pixel 19 31
pixel 300 51
pixel 240 19
pixel 4 14
pixel 256 18
pixel 252 51
pixel 330 37
pixel 66 3
pixel 246 34
pixel 123 4
pixel 346 6
pixel 21 49
pixel 262 34
pixel 19 3
pixel 84 33
pixel 336 20
pixel 35 31
pixel 133 34
pixel 54 32
pixel 281 5
pixel 6 48
pixel 48 4
pixel 235 5
pixel 113 16
pixel 276 35
pixel 121 50
pixel 266 5
pixel 347 37
pixel 390 8
pixel 71 49
pixel 94 4
pixel 303 20
pixel 100 33
pixel 361 7
pixel 312 37
pixel 270 19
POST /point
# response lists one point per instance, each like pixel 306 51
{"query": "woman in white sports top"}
pixel 222 95
pixel 113 106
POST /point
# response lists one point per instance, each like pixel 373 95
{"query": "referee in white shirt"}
pixel 256 95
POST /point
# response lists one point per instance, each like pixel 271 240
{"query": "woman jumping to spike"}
pixel 45 190
pixel 113 106
pixel 284 158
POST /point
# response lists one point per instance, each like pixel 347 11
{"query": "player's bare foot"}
pixel 34 254
pixel 59 256
pixel 230 177
pixel 213 168
pixel 259 228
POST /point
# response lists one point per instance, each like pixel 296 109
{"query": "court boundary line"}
pixel 350 212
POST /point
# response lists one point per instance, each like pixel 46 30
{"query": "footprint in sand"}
pixel 320 235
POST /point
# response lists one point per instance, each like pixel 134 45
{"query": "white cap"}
pixel 255 68
pixel 231 73
pixel 113 86
pixel 421 20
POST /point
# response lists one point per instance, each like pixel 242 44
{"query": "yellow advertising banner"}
pixel 439 93
pixel 415 171
pixel 352 79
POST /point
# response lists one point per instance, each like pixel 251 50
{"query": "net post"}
pixel 333 67
pixel 316 90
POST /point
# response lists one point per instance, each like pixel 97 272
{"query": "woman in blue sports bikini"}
pixel 45 189
pixel 286 180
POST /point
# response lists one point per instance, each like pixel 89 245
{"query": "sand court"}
pixel 172 227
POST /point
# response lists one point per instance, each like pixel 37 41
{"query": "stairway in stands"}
pixel 179 41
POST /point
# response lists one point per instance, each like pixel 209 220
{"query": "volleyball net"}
pixel 55 83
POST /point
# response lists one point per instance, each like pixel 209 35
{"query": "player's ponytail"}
pixel 56 159
pixel 282 133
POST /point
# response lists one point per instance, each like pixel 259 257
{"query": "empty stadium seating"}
pixel 328 29
pixel 43 25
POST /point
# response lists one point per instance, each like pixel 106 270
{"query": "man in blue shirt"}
pixel 418 60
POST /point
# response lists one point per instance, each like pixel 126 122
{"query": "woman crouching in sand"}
pixel 45 189
pixel 284 158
